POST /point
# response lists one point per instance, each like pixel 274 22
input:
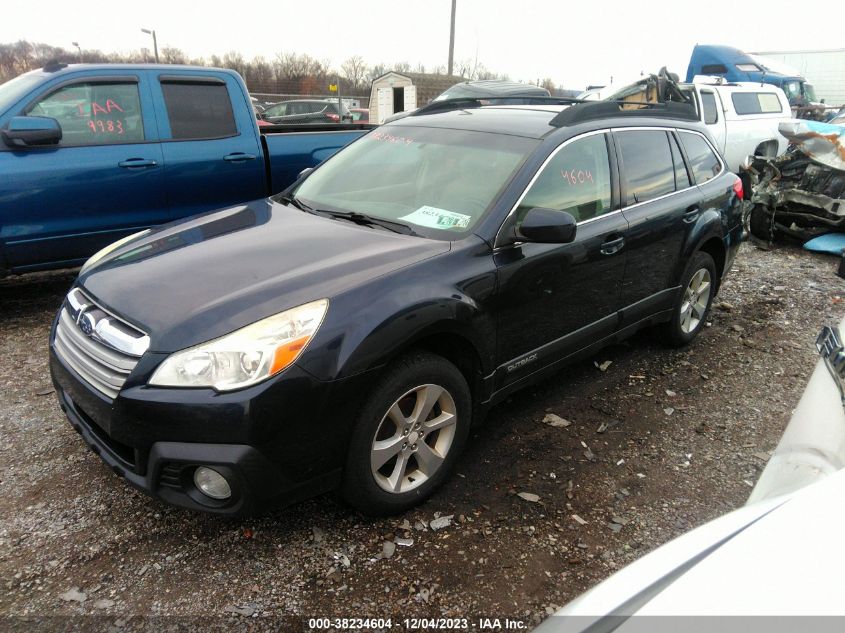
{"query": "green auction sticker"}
pixel 435 218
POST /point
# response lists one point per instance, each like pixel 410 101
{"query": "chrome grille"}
pixel 98 346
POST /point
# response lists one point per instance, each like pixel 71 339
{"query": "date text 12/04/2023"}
pixel 418 624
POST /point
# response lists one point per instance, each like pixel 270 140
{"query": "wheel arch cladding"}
pixel 714 247
pixel 455 348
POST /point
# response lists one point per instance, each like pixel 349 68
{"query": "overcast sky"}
pixel 574 42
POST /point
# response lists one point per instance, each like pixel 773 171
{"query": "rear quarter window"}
pixel 708 106
pixel 702 159
pixel 756 103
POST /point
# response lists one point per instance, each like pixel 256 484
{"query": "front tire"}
pixel 410 432
pixel 698 287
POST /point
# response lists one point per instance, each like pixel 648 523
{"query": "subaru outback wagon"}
pixel 347 333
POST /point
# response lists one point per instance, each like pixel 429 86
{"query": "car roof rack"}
pixel 592 110
pixel 53 65
pixel 466 103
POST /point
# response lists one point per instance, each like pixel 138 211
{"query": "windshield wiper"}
pixel 368 220
pixel 296 202
pixel 353 216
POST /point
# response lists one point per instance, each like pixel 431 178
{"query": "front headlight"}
pixel 246 356
pixel 110 248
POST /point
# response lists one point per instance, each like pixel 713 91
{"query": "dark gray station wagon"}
pixel 347 332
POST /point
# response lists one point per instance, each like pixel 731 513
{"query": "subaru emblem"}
pixel 87 323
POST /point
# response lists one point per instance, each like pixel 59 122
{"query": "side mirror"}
pixel 305 173
pixel 32 131
pixel 547 226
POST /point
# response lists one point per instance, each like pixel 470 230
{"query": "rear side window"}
pixel 576 180
pixel 647 164
pixel 756 103
pixel 94 113
pixel 703 160
pixel 708 106
pixel 198 110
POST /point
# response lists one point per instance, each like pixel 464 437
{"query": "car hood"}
pixel 781 556
pixel 196 280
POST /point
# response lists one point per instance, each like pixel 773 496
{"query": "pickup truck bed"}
pixel 91 153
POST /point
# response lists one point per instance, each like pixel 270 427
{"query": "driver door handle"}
pixel 612 245
pixel 137 163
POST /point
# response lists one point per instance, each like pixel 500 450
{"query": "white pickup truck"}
pixel 742 117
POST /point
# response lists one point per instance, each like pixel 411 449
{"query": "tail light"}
pixel 738 189
pixel 333 117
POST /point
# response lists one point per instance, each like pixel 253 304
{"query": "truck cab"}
pixel 735 65
pixel 92 153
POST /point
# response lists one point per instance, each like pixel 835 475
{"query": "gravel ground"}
pixel 656 443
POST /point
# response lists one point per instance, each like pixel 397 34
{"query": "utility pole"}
pixel 155 44
pixel 452 40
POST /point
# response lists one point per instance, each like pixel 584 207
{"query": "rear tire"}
pixel 411 430
pixel 698 287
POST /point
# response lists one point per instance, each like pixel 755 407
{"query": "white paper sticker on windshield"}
pixel 435 218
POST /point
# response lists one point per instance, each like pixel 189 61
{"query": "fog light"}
pixel 211 483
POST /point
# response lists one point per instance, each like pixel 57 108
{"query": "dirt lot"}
pixel 659 442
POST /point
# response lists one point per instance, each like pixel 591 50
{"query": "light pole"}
pixel 452 39
pixel 79 48
pixel 155 44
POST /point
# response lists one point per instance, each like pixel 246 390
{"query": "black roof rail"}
pixel 591 110
pixel 466 103
pixel 53 65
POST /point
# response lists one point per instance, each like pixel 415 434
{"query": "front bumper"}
pixel 276 443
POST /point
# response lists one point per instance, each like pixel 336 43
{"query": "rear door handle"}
pixel 691 214
pixel 137 163
pixel 238 157
pixel 612 246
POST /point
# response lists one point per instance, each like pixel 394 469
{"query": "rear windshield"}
pixel 440 182
pixel 756 103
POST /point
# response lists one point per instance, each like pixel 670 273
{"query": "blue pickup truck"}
pixel 90 153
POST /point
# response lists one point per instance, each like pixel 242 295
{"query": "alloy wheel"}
pixel 696 298
pixel 413 438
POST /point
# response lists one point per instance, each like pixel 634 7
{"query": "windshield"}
pixel 16 88
pixel 810 93
pixel 792 89
pixel 440 182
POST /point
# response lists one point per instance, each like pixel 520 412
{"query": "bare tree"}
pixel 354 70
pixel 294 66
pixel 171 55
pixel 260 74
pixel 376 70
pixel 236 62
pixel 288 70
pixel 549 85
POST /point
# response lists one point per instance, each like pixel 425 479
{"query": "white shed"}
pixel 399 92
